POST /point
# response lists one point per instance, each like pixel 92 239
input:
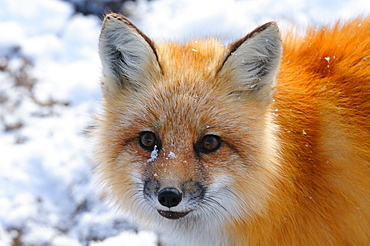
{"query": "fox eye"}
pixel 147 140
pixel 209 144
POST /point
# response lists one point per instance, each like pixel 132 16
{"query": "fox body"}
pixel 262 142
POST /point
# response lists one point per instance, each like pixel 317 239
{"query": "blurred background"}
pixel 49 92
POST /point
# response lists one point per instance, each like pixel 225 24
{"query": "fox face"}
pixel 181 124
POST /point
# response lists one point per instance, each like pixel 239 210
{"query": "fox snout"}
pixel 174 201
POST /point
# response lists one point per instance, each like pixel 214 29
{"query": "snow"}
pixel 143 238
pixel 47 196
pixel 172 155
pixel 153 154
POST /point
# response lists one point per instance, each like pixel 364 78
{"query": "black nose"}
pixel 169 197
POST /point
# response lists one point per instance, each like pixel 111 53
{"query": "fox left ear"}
pixel 128 57
pixel 252 63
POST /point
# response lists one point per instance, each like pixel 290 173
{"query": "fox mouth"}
pixel 172 215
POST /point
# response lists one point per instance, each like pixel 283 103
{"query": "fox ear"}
pixel 252 63
pixel 128 57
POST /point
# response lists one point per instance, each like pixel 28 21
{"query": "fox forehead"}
pixel 196 59
pixel 188 92
pixel 177 107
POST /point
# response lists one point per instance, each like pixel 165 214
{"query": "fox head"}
pixel 183 131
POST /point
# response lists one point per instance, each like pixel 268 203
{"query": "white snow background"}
pixel 46 193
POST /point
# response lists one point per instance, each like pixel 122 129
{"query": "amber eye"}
pixel 210 143
pixel 147 140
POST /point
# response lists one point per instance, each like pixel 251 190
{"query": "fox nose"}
pixel 169 197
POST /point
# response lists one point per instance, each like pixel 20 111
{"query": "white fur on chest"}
pixel 203 233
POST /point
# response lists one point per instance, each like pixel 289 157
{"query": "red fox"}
pixel 265 141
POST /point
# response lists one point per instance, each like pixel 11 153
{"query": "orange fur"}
pixel 294 164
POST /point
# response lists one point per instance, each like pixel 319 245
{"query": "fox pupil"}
pixel 210 143
pixel 147 140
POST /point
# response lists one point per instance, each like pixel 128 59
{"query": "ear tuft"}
pixel 252 63
pixel 128 57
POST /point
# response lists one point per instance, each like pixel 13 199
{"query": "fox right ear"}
pixel 128 57
pixel 252 63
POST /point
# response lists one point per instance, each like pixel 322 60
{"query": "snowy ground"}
pixel 49 88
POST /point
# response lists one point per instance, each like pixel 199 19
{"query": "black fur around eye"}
pixel 209 144
pixel 148 140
